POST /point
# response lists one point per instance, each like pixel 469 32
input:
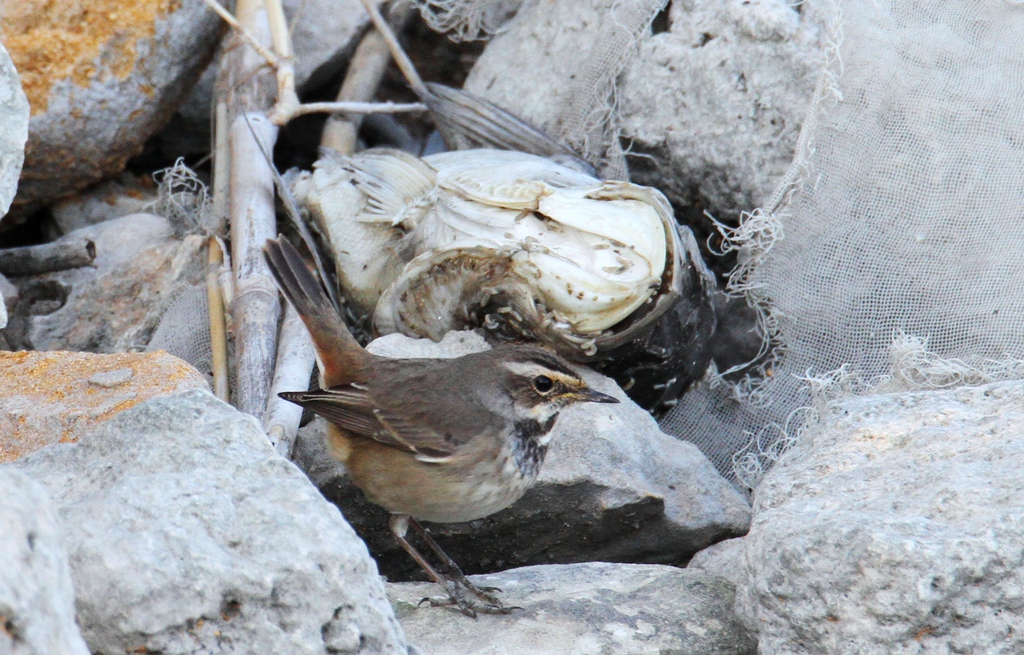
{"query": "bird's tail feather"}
pixel 341 358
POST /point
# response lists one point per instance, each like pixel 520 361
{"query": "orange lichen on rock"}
pixel 54 397
pixel 79 40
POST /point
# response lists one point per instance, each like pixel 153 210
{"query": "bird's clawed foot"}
pixel 457 596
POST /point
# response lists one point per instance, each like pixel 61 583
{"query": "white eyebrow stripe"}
pixel 529 369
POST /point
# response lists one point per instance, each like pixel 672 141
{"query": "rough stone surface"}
pixel 584 609
pixel 105 201
pixel 101 76
pixel 186 533
pixel 37 602
pixel 718 100
pixel 714 100
pixel 115 304
pixel 52 397
pixel 8 299
pixel 895 526
pixel 613 488
pixel 724 559
pixel 13 130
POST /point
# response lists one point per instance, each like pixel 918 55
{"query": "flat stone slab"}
pixel 52 397
pixel 583 609
pixel 186 533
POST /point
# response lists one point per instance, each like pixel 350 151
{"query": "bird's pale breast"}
pixel 485 477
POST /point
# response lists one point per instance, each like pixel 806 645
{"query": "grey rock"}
pixel 555 63
pixel 37 602
pixel 894 526
pixel 89 125
pixel 13 130
pixel 187 533
pixel 8 291
pixel 613 488
pixel 724 559
pixel 4 293
pixel 717 101
pixel 714 104
pixel 116 304
pixel 584 609
pixel 102 202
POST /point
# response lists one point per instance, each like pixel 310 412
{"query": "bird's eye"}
pixel 543 383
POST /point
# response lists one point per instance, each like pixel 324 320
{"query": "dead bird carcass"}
pixel 524 247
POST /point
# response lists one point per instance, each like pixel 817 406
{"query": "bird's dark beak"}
pixel 588 395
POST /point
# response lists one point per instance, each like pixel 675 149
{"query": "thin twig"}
pixel 218 333
pixel 287 98
pixel 402 59
pixel 288 106
pixel 242 32
pixel 365 72
pixel 358 108
pixel 48 257
pixel 295 359
pixel 256 307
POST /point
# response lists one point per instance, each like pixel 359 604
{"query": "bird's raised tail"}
pixel 342 360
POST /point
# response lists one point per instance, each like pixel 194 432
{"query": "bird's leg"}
pixel 399 525
pixel 484 593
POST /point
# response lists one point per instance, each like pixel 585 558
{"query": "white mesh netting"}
pixel 891 254
pixel 184 328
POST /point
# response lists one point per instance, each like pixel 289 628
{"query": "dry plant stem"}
pixel 241 31
pixel 295 355
pixel 221 167
pixel 357 108
pixel 401 59
pixel 295 358
pixel 46 258
pixel 287 99
pixel 287 106
pixel 249 90
pixel 253 222
pixel 218 333
pixel 365 72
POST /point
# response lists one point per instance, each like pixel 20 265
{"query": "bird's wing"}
pixel 351 408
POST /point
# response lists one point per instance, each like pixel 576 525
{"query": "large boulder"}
pixel 613 488
pixel 581 609
pixel 187 533
pixel 715 102
pixel 101 76
pixel 53 397
pixel 37 602
pixel 896 525
pixel 115 304
pixel 13 130
pixel 711 98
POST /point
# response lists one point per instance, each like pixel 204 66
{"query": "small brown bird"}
pixel 446 440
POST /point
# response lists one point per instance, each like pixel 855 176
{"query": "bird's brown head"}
pixel 541 383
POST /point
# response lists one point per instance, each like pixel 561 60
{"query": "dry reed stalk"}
pixel 401 59
pixel 295 359
pixel 221 168
pixel 47 257
pixel 365 72
pixel 287 106
pixel 218 332
pixel 248 91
